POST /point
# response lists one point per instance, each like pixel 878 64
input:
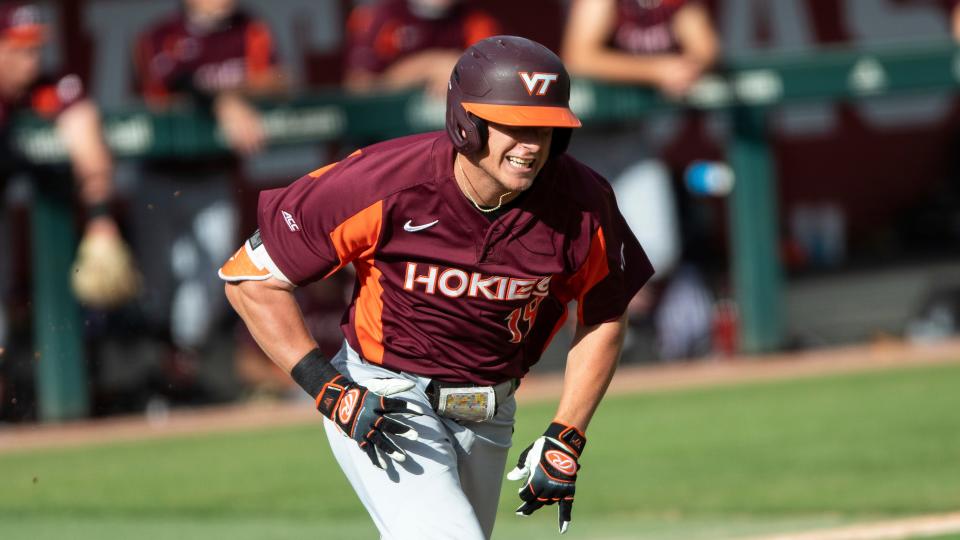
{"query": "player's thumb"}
pixel 388 387
pixel 518 473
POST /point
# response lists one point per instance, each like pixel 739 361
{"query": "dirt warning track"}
pixel 629 379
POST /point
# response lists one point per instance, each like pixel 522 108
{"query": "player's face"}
pixel 19 67
pixel 515 155
pixel 211 10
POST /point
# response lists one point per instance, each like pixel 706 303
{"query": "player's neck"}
pixel 479 187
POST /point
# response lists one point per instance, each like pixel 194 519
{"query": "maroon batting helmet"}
pixel 508 80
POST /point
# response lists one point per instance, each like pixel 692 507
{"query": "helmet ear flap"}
pixel 481 130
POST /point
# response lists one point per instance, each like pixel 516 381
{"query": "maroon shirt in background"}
pixel 645 26
pixel 380 34
pixel 48 96
pixel 442 291
pixel 174 56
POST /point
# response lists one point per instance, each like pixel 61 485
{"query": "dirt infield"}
pixel 915 527
pixel 701 373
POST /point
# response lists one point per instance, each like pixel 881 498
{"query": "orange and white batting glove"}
pixel 549 467
pixel 366 415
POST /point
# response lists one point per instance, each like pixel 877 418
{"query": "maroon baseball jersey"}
pixel 378 35
pixel 175 56
pixel 645 26
pixel 442 291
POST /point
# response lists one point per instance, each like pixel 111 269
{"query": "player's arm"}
pixel 586 54
pixel 79 127
pixel 104 274
pixel 614 269
pixel 585 50
pixel 237 118
pixel 549 465
pixel 264 299
pixel 273 317
pixel 591 363
pixel 696 34
pixel 429 68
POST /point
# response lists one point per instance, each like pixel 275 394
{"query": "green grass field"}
pixel 707 463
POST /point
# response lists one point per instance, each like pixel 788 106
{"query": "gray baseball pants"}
pixel 449 486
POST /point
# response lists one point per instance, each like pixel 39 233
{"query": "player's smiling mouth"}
pixel 521 163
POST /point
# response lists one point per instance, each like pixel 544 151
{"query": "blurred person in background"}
pixel 399 44
pixel 26 89
pixel 955 20
pixel 666 45
pixel 215 57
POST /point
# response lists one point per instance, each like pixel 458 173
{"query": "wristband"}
pixel 569 435
pixel 313 372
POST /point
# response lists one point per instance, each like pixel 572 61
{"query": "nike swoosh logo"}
pixel 410 227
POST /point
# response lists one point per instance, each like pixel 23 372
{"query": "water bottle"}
pixel 709 178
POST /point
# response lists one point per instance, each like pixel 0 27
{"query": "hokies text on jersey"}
pixel 454 283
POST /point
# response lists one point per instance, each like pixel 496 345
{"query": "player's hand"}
pixel 368 416
pixel 677 75
pixel 549 468
pixel 240 124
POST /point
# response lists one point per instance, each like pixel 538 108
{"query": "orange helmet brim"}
pixel 524 115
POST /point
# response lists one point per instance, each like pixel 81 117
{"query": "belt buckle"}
pixel 470 403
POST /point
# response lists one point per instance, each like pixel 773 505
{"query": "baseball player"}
pixel 468 246
pixel 214 55
pixel 667 45
pixel 104 276
pixel 396 44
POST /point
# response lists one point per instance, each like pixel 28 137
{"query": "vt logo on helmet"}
pixel 542 80
pixel 512 81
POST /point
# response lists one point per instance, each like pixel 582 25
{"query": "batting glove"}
pixel 549 467
pixel 368 417
pixel 363 413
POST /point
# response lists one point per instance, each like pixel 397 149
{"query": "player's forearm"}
pixel 419 68
pixel 614 66
pixel 591 363
pixel 273 317
pixel 696 35
pixel 80 128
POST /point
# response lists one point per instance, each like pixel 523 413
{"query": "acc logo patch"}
pixel 291 223
pixel 347 405
pixel 561 461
